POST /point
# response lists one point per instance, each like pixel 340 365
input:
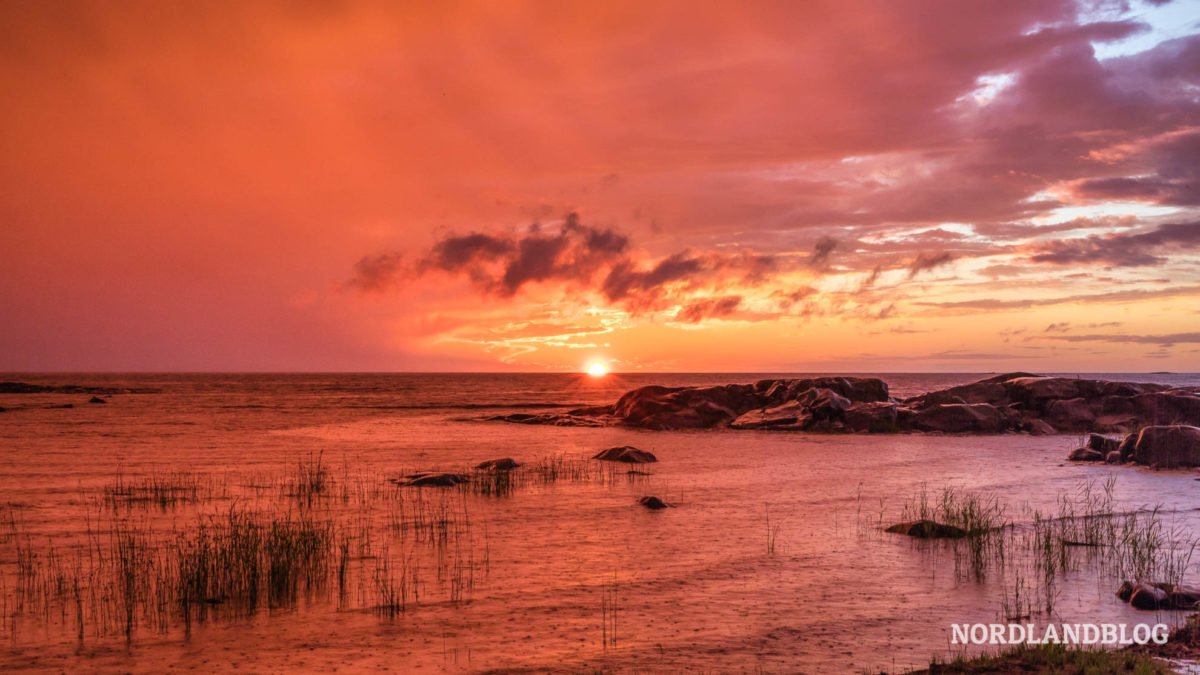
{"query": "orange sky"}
pixel 765 186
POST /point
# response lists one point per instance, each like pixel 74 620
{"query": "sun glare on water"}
pixel 597 369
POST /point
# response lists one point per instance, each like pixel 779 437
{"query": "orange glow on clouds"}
pixel 480 186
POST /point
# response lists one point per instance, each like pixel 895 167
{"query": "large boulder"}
pixel 790 415
pixel 812 407
pixel 627 454
pixel 1073 414
pixel 1103 444
pixel 1168 446
pixel 960 418
pixel 876 417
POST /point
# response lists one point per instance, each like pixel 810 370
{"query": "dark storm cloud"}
pixel 578 256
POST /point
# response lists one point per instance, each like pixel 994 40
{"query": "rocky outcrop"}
pixel 26 388
pixel 1013 402
pixel 627 454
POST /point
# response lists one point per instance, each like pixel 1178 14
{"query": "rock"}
pixel 824 404
pixel 60 406
pixel 1037 427
pixel 1124 591
pixel 981 392
pixel 433 479
pixel 876 417
pixel 503 464
pixel 1040 388
pixel 1002 403
pixel 1103 443
pixel 96 399
pixel 1147 596
pixel 791 415
pixel 1072 414
pixel 1126 447
pixel 26 388
pixel 1183 597
pixel 654 503
pixel 1168 446
pixel 1113 457
pixel 957 418
pixel 815 406
pixel 627 454
pixel 928 529
pixel 1085 455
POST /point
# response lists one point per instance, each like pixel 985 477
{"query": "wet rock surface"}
pixel 928 529
pixel 502 464
pixel 431 479
pixel 654 503
pixel 627 454
pixel 1008 403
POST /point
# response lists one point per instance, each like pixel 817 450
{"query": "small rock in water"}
pixel 1085 455
pixel 432 479
pixel 1147 596
pixel 653 503
pixel 627 454
pixel 503 464
pixel 928 529
pixel 96 399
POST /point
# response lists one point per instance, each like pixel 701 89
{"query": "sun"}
pixel 597 369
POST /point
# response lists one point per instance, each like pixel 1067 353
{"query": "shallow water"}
pixel 693 586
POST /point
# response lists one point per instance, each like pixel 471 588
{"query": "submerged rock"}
pixel 96 399
pixel 928 529
pixel 432 479
pixel 654 503
pixel 627 454
pixel 503 464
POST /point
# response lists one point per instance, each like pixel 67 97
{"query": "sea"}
pixel 772 557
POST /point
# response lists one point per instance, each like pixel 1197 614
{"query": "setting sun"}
pixel 597 369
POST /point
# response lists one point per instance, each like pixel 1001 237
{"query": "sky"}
pixel 663 186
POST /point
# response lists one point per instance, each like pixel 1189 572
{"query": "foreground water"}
pixel 772 559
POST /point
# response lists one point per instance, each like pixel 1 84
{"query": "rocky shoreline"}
pixel 1008 403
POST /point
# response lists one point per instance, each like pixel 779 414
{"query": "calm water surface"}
pixel 694 587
